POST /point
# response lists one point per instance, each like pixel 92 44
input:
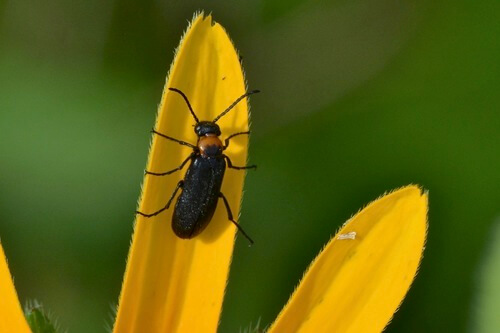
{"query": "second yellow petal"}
pixel 357 282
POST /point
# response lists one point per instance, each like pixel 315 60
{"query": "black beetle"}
pixel 203 180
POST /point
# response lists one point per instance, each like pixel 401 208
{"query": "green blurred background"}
pixel 359 97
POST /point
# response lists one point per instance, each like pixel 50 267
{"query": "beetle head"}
pixel 203 128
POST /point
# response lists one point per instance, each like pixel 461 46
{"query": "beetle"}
pixel 201 186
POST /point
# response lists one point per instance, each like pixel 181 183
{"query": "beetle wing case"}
pixel 197 202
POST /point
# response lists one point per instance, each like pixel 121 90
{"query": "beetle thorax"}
pixel 210 145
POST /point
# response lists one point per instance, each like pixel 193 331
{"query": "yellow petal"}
pixel 172 284
pixel 356 285
pixel 11 315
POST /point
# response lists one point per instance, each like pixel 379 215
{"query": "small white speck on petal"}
pixel 349 235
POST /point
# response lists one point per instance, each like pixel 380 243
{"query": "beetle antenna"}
pixel 234 104
pixel 187 102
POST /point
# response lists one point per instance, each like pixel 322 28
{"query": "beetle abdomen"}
pixel 198 200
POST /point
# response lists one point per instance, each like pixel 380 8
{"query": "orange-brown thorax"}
pixel 210 145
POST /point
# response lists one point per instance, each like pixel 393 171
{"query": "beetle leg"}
pixel 179 185
pixel 232 136
pixel 230 218
pixel 230 165
pixel 175 140
pixel 171 171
